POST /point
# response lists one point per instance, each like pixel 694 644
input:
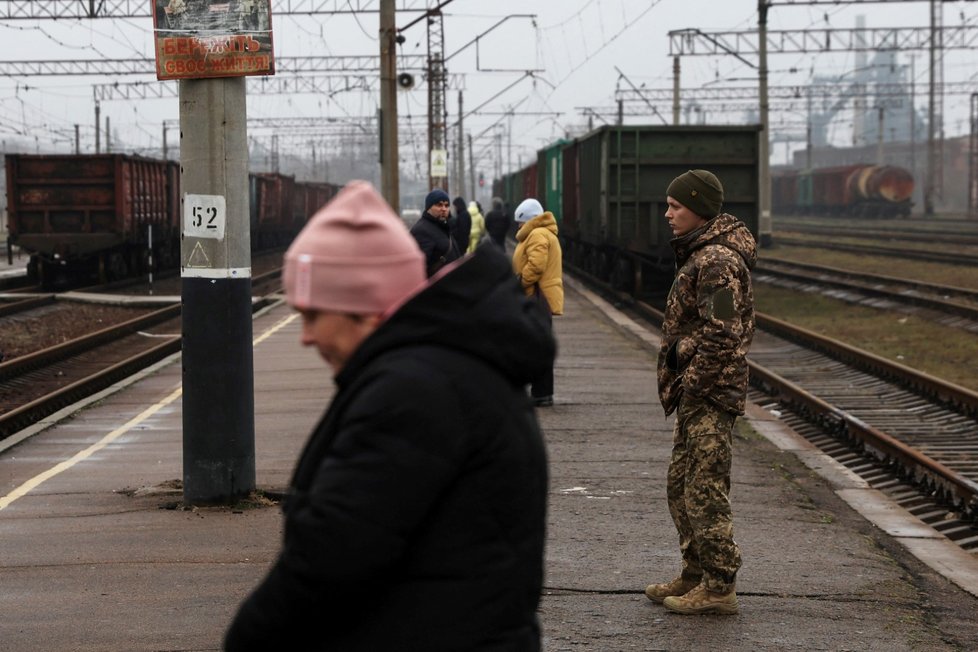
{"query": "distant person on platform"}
pixel 702 374
pixel 538 263
pixel 433 234
pixel 415 516
pixel 497 223
pixel 478 226
pixel 461 223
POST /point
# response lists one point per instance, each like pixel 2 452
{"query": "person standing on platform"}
pixel 497 223
pixel 702 376
pixel 538 263
pixel 433 233
pixel 478 226
pixel 415 516
pixel 461 224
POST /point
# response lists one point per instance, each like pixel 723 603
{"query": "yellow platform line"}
pixel 61 467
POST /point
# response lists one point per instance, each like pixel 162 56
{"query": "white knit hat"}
pixel 528 209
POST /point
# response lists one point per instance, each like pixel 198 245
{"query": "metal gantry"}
pixel 791 92
pixel 90 9
pixel 754 45
pixel 746 43
pixel 328 85
pixel 117 67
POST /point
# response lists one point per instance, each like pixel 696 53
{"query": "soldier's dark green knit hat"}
pixel 698 190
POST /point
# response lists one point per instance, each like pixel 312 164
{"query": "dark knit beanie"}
pixel 434 197
pixel 698 190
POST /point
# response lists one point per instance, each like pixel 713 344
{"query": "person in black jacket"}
pixel 433 233
pixel 415 517
pixel 498 223
pixel 461 223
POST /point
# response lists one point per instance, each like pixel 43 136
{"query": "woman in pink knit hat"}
pixel 415 517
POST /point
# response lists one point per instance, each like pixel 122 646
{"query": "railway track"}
pixel 943 257
pixel 879 234
pixel 17 285
pixel 35 386
pixel 32 387
pixel 951 306
pixel 907 434
pixel 25 305
pixel 916 224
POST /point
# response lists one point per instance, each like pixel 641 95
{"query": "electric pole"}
pixel 460 153
pixel 389 169
pixel 765 228
pixel 438 154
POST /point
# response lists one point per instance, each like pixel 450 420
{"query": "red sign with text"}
pixel 198 39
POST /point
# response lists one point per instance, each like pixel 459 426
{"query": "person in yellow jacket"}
pixel 538 263
pixel 478 227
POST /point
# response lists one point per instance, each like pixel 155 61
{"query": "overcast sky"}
pixel 571 48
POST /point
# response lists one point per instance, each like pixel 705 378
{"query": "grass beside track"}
pixel 940 351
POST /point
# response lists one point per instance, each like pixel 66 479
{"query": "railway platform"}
pixel 15 267
pixel 98 553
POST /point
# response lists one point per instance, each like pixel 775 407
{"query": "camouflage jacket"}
pixel 709 317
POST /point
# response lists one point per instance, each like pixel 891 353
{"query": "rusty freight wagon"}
pixel 274 219
pixel 85 214
pixel 309 197
pixel 862 190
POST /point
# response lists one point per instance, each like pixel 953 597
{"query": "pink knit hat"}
pixel 354 256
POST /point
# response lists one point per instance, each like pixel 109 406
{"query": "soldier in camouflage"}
pixel 702 376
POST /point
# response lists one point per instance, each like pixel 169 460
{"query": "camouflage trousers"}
pixel 698 489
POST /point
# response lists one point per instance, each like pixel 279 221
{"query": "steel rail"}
pixel 24 305
pixel 929 256
pixel 32 412
pixel 936 478
pixel 937 389
pixel 920 286
pixel 945 306
pixel 25 363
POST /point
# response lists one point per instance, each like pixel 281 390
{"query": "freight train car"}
pixel 613 194
pixel 550 177
pixel 85 213
pixel 849 190
pixel 310 196
pixel 93 216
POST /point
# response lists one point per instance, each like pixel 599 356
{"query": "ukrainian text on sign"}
pixel 198 39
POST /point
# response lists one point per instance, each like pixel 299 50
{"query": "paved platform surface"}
pixel 96 552
pixel 17 266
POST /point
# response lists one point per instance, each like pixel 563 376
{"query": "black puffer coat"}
pixel 435 239
pixel 416 515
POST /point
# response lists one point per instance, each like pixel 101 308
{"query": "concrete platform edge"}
pixel 66 412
